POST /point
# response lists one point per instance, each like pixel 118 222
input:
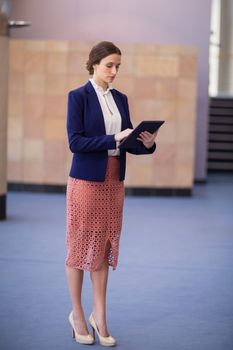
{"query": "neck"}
pixel 100 83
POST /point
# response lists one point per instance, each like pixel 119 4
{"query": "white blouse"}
pixel 112 117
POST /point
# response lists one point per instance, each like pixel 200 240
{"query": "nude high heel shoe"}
pixel 105 341
pixel 82 339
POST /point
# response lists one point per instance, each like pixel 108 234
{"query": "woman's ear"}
pixel 94 66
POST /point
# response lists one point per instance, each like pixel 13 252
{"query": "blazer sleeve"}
pixel 141 149
pixel 78 142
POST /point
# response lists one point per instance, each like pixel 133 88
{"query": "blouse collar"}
pixel 99 88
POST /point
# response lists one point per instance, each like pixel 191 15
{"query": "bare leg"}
pixel 75 281
pixel 99 280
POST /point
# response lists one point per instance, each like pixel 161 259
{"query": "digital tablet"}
pixel 131 140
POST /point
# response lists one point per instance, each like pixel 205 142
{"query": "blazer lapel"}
pixel 94 103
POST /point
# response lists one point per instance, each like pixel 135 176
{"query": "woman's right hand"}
pixel 122 135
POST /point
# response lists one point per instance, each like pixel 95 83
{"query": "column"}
pixel 4 42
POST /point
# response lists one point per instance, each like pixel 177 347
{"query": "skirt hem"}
pixel 88 269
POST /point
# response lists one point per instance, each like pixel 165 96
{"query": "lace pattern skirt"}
pixel 94 219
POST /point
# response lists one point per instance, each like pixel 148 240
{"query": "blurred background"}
pixel 177 66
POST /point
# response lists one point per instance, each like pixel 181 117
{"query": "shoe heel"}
pixel 93 332
pixel 73 333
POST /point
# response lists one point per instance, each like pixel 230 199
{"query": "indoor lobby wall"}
pixel 160 81
pixel 163 22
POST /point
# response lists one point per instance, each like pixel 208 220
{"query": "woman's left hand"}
pixel 147 138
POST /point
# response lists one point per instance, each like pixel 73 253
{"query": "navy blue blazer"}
pixel 87 136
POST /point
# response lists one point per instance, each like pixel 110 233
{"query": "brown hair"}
pixel 100 51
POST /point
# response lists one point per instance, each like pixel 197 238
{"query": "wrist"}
pixel 149 145
pixel 116 137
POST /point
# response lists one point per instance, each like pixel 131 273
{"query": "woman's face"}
pixel 106 70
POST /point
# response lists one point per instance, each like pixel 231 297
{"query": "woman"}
pixel 98 119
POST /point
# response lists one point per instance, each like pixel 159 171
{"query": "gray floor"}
pixel 173 288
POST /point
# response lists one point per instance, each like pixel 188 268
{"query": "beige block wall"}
pixel 160 82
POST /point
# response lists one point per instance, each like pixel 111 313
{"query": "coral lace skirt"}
pixel 94 220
